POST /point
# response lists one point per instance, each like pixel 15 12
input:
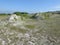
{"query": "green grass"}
pixel 30 26
pixel 18 29
pixel 2 17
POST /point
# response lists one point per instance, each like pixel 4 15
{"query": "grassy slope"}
pixel 3 17
pixel 50 27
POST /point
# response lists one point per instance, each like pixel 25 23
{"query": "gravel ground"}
pixel 44 32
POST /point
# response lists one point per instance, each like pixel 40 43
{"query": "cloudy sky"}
pixel 29 5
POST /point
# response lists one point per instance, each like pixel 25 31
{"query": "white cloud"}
pixel 57 7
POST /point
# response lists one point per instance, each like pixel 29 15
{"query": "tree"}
pixel 20 13
pixel 34 15
pixel 17 13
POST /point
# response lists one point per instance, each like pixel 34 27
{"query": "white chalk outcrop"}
pixel 13 18
pixel 16 20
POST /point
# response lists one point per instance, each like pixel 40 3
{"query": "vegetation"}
pixel 30 26
pixel 22 14
pixel 46 15
pixel 31 31
pixel 34 16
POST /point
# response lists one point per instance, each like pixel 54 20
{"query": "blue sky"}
pixel 29 5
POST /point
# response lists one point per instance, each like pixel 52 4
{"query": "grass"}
pixel 30 26
pixel 18 29
pixel 2 17
pixel 50 27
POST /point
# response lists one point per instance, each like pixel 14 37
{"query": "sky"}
pixel 30 6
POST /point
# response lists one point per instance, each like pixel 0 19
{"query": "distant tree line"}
pixel 54 12
pixel 17 13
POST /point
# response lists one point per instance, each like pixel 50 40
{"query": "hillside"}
pixel 40 29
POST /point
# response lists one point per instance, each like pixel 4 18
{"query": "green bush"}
pixel 46 15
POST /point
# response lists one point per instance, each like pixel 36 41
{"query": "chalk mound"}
pixel 16 20
pixel 13 18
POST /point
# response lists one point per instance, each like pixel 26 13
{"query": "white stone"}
pixel 31 43
pixel 27 35
pixel 13 17
pixel 3 42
